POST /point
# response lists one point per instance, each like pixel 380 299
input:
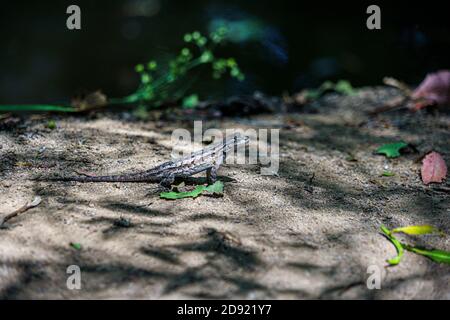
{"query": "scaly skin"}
pixel 208 159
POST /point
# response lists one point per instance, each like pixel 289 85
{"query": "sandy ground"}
pixel 310 232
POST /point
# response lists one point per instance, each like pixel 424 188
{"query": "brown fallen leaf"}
pixel 90 101
pixel 434 168
pixel 5 115
pixel 394 103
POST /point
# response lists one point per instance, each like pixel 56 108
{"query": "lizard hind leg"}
pixel 211 175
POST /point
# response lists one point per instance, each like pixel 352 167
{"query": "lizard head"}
pixel 235 140
pixel 238 139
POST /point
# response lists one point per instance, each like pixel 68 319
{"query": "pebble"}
pixel 6 184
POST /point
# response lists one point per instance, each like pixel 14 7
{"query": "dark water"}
pixel 280 46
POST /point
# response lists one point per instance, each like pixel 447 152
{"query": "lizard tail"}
pixel 115 178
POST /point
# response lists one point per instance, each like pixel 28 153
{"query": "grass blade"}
pixel 418 230
pixel 440 256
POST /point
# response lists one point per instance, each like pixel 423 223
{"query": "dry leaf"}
pixel 91 101
pixel 434 90
pixel 434 168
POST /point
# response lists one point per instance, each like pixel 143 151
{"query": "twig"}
pixel 5 116
pixel 311 179
pixel 398 102
pixel 37 200
pixel 389 81
pixel 395 103
pixel 83 173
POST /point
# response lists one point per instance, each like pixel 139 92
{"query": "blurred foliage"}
pixel 342 86
pixel 159 83
pixel 191 101
pixel 51 124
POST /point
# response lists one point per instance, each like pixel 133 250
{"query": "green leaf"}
pixel 216 188
pixel 344 87
pixel 191 101
pixel 327 85
pixel 396 243
pixel 434 254
pixel 388 174
pixel 418 230
pixel 75 245
pixel 172 195
pixel 391 150
pixel 312 94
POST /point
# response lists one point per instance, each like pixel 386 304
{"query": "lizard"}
pixel 208 159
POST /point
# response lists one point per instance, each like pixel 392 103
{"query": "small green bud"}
pixel 215 38
pixel 51 124
pixel 152 65
pixel 206 57
pixel 201 41
pixel 185 52
pixel 148 94
pixel 145 78
pixel 222 31
pixel 196 35
pixel 231 63
pixel 235 72
pixel 220 65
pixel 187 37
pixel 139 68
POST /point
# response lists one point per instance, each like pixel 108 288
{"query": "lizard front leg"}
pixel 211 175
pixel 166 182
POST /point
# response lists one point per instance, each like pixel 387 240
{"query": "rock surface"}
pixel 310 232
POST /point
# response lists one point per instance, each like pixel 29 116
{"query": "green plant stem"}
pixel 158 86
pixel 37 107
pixel 396 243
